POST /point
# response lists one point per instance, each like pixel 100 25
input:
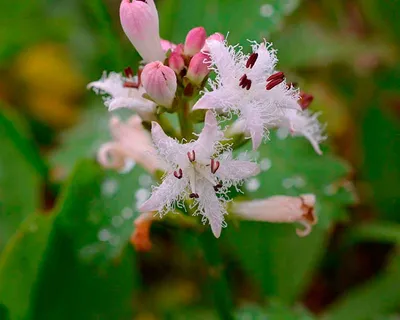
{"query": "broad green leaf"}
pixel 381 142
pixel 273 255
pixel 20 264
pixel 20 170
pixel 69 286
pixel 379 295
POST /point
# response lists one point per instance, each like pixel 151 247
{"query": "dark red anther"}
pixel 273 83
pixel 130 84
pixel 217 187
pixel 251 60
pixel 245 82
pixel 214 166
pixel 275 76
pixel 178 174
pixel 191 156
pixel 194 195
pixel 305 100
pixel 128 72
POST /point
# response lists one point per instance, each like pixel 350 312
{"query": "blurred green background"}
pixel 65 223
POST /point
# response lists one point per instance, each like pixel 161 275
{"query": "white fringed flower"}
pixel 121 95
pixel 280 209
pixel 249 86
pixel 131 144
pixel 196 172
pixel 304 123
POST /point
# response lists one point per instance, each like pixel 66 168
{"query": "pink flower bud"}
pixel 198 68
pixel 159 82
pixel 195 40
pixel 167 45
pixel 176 62
pixel 179 49
pixel 139 19
pixel 216 36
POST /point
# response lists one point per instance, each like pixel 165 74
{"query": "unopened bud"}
pixel 216 36
pixel 139 19
pixel 159 82
pixel 167 45
pixel 176 62
pixel 198 68
pixel 280 209
pixel 195 40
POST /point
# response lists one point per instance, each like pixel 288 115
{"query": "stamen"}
pixel 217 187
pixel 194 195
pixel 214 166
pixel 291 85
pixel 273 83
pixel 244 82
pixel 130 84
pixel 191 156
pixel 128 72
pixel 178 175
pixel 278 75
pixel 252 60
pixel 305 100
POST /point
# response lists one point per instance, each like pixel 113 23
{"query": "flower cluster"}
pixel 198 168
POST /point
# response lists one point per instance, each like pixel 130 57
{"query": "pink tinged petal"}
pixel 165 194
pixel 198 68
pixel 168 147
pixel 257 135
pixel 217 37
pixel 167 45
pixel 111 156
pixel 160 83
pixel 313 142
pixel 237 170
pixel 280 209
pixel 139 19
pixel 211 207
pixel 195 40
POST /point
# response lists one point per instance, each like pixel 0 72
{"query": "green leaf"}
pixel 177 17
pixel 381 143
pixel 384 232
pixel 20 263
pixel 371 299
pixel 274 256
pixel 70 286
pixel 20 170
pixel 275 311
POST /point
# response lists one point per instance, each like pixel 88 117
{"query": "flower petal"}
pixel 211 207
pixel 164 196
pixel 111 84
pixel 205 145
pixel 237 170
pixel 168 148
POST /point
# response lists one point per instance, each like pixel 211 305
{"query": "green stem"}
pixel 217 277
pixel 184 120
pixel 167 126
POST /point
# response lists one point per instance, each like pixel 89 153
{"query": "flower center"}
pixel 129 75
